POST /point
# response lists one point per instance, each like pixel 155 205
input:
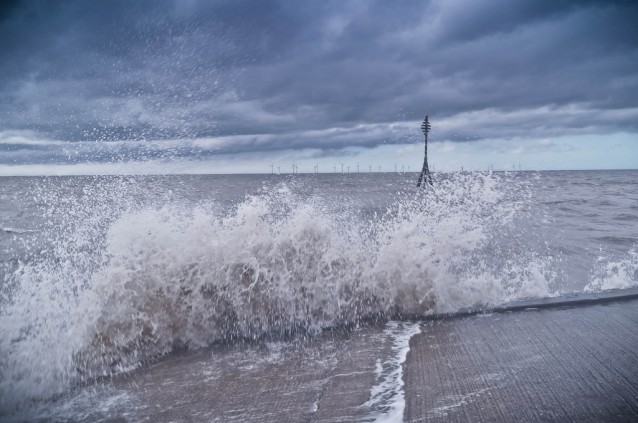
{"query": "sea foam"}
pixel 126 280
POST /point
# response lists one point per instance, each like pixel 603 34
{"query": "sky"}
pixel 211 86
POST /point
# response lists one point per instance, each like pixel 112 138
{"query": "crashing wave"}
pixel 132 281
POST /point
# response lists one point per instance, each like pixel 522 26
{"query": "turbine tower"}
pixel 425 172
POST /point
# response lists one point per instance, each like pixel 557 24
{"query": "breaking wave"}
pixel 615 274
pixel 126 280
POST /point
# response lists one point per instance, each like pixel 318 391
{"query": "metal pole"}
pixel 425 172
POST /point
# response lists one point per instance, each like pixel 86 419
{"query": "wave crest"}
pixel 136 281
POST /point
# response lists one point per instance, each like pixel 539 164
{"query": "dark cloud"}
pixel 271 75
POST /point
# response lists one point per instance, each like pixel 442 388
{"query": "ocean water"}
pixel 99 275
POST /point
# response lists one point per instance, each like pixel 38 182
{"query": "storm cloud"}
pixel 118 80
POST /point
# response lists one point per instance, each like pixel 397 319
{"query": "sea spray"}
pixel 614 274
pixel 127 279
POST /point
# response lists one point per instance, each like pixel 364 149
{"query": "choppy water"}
pixel 102 273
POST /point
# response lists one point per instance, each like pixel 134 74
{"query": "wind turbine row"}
pixel 345 169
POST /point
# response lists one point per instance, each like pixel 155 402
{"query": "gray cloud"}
pixel 229 77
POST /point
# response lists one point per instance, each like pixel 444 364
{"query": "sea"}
pixel 105 278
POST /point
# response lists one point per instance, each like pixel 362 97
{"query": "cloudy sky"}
pixel 205 86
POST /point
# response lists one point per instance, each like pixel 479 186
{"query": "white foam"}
pixel 387 398
pixel 615 274
pixel 128 281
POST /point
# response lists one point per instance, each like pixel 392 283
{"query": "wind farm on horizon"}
pixel 343 168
